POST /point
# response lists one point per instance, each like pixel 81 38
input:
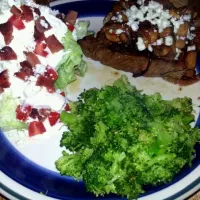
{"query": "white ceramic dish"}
pixel 28 172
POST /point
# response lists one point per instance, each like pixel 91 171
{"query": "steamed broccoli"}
pixel 122 140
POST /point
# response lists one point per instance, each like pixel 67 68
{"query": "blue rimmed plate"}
pixel 28 172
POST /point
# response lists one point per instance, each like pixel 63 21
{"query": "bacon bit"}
pixel 1 90
pixel 17 22
pixel 71 17
pixel 6 30
pixel 46 82
pixel 37 11
pixel 27 13
pixel 4 80
pixel 39 27
pixel 53 44
pixel 43 113
pixel 6 53
pixel 38 36
pixel 40 114
pixel 60 16
pixel 21 75
pixel 32 58
pixel 34 113
pixel 40 49
pixel 15 11
pixel 70 27
pixel 25 71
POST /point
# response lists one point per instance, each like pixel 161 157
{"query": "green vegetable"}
pixel 122 140
pixel 71 64
pixel 8 119
pixel 81 29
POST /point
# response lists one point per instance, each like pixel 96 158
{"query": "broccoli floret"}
pixel 123 140
pixel 72 164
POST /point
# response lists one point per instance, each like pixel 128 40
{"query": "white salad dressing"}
pixel 23 41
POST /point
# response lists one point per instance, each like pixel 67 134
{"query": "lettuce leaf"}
pixel 8 119
pixel 71 64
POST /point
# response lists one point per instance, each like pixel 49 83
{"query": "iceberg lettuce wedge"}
pixel 71 64
pixel 8 120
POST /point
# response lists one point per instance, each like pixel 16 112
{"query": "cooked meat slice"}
pixel 160 68
pixel 122 61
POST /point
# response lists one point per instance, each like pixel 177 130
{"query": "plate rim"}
pixel 185 190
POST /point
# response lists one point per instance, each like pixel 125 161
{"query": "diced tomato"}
pixel 53 118
pixel 70 26
pixel 67 108
pixel 36 128
pixel 63 94
pixel 16 22
pixel 46 82
pixel 23 112
pixel 51 73
pixel 40 49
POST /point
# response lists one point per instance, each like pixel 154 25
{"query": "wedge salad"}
pixel 39 57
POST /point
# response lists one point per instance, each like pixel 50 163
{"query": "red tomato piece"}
pixel 70 26
pixel 23 112
pixel 53 118
pixel 46 82
pixel 63 94
pixel 67 108
pixel 51 73
pixel 17 22
pixel 36 128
